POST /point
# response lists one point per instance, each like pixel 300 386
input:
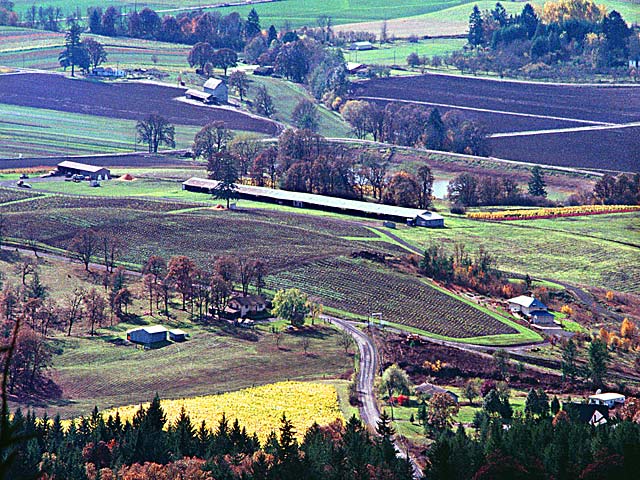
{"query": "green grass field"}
pixel 34 131
pixel 453 19
pixel 593 250
pixel 23 47
pixel 217 358
pixel 396 53
pixel 286 96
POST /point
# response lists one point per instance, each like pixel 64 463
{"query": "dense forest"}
pixel 150 448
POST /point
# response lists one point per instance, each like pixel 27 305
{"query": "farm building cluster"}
pixel 155 335
pixel 413 216
pixel 596 411
pixel 531 309
pixel 214 91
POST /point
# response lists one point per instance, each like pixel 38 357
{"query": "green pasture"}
pixel 33 131
pixel 23 47
pixel 298 13
pixel 285 241
pixel 396 53
pixel 217 358
pixel 601 246
pixel 598 250
pixel 286 96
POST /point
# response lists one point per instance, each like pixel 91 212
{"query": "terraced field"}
pixel 281 240
pixel 27 131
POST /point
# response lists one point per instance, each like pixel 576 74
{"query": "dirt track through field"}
pixel 564 130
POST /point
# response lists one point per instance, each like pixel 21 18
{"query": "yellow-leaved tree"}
pixel 563 10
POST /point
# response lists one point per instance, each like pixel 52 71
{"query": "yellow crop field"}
pixel 259 409
pixel 532 214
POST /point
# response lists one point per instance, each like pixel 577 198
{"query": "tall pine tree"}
pixel 537 185
pixel 476 27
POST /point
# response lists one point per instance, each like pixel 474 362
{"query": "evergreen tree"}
pixel 252 26
pixel 182 436
pixel 598 359
pixel 384 427
pixel 272 35
pixel 543 403
pixel 150 442
pixel 569 354
pixel 499 14
pixel 536 183
pixel 555 405
pixel 529 20
pixel 616 32
pixel 95 21
pixel 436 131
pixel 476 27
pixel 203 438
pixel 532 406
pixel 73 53
pixel 356 448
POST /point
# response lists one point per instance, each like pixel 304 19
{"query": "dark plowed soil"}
pixel 602 104
pixel 131 101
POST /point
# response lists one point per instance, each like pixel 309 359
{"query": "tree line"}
pixel 150 447
pixel 472 190
pixel 416 126
pixel 304 161
pixel 570 36
pixel 537 448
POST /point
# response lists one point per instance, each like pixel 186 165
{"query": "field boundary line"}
pixel 486 110
pixel 526 133
pixel 430 71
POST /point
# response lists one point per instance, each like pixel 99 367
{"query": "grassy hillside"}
pixel 600 250
pixel 601 245
pixel 286 96
pixel 216 358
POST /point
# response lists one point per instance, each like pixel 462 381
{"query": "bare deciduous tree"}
pixel 84 246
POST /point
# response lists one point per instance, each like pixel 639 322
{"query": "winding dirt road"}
pixel 369 412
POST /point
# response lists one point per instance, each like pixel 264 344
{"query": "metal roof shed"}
pixel 314 201
pixel 177 335
pixel 147 335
